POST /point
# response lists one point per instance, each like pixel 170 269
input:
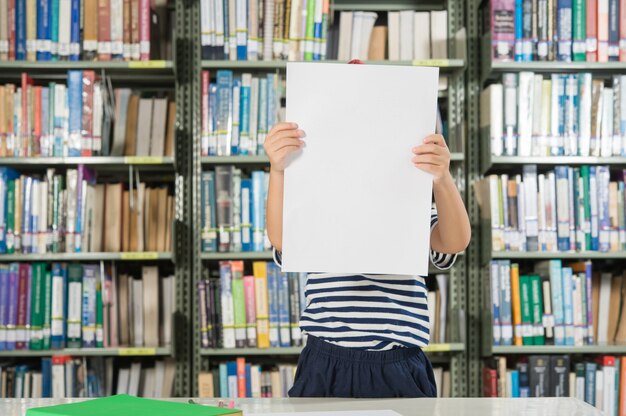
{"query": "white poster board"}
pixel 353 200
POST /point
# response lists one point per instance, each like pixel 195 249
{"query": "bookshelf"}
pixel 481 163
pixel 92 352
pixel 453 354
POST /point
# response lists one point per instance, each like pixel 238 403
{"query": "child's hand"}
pixel 283 139
pixel 433 156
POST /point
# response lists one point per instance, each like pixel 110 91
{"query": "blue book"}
pixel 562 204
pixel 262 126
pixel 59 306
pixel 223 380
pixel 317 38
pixel 27 236
pixel 20 374
pixel 273 272
pixel 224 111
pixel 207 213
pixel 593 208
pixel 212 119
pixel 258 210
pixel 614 29
pixel 247 208
pixel 564 30
pixel 248 380
pixel 46 377
pixel 527 33
pixel 514 383
pixel 284 324
pixel 495 302
pixel 6 175
pixel 4 305
pixel 603 176
pixel 231 371
pixel 235 116
pixel 242 35
pixel 12 307
pixel 588 301
pixel 244 114
pixel 43 30
pixel 54 29
pixel 20 30
pixel 75 31
pixel 590 383
pixel 90 281
pixel 524 379
pixel 302 276
pixel 519 17
pixel 506 319
pixel 556 283
pixel 568 308
pixel 75 103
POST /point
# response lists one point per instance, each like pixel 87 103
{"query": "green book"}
pixel 537 310
pixel 527 316
pixel 74 305
pixel 586 222
pixel 239 306
pixel 10 213
pixel 37 304
pixel 123 405
pixel 47 309
pixel 309 36
pixel 99 317
pixel 579 31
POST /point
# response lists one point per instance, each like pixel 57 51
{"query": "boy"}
pixel 365 332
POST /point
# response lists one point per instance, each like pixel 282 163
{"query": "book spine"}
pixel 578 26
pixel 564 30
pixel 556 283
pixel 117 29
pixel 88 81
pixel 537 310
pixel 591 47
pixel 527 18
pixel 202 311
pixel 568 310
pixel 75 30
pixel 104 30
pixel 309 34
pixel 74 304
pixel 224 112
pixel 603 179
pixel 242 30
pixel 263 127
pixel 4 305
pixel 241 377
pixel 227 306
pixel 614 30
pixel 562 208
pixel 495 302
pixel 519 30
pixel 43 30
pixel 272 292
pixel 212 143
pixel 244 115
pixel 317 30
pixel 294 309
pixel 31 30
pixel 37 304
pixel 246 215
pixel 249 295
pixel 235 109
pixel 89 289
pixel 144 30
pixel 261 302
pixel 239 304
pixel 27 236
pixel 75 104
pixel 593 209
pixel 258 210
pixel 58 302
pixel 99 313
pixel 23 301
pixel 603 31
pixel 543 30
pixel 283 310
pixel 204 105
pixel 13 301
pixel 20 30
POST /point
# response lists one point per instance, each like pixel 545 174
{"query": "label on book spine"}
pixel 4 46
pixel 146 64
pixel 140 255
pixel 143 160
pixel 136 351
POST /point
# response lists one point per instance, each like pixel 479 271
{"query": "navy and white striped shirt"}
pixel 370 312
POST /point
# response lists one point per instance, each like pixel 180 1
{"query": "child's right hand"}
pixel 283 139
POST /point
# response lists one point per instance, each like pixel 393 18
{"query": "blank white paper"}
pixel 353 200
pixel 338 413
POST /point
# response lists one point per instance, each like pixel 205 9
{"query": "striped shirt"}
pixel 370 312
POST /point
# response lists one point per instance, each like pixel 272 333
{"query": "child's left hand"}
pixel 433 156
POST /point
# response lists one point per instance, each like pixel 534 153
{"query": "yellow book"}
pixel 262 310
pixel 517 309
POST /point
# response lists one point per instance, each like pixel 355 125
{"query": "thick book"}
pixel 559 376
pixel 502 30
pixel 540 375
pixel 74 305
pixel 261 303
pixel 239 303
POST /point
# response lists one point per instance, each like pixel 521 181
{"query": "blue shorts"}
pixel 328 370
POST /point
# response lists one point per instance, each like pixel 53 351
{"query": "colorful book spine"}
pixel 537 310
pixel 23 307
pixel 43 30
pixel 13 295
pixel 89 294
pixel 75 30
pixel 273 276
pixel 244 115
pixel 261 303
pixel 4 305
pixel 239 304
pixel 495 303
pixel 74 305
pixel 250 299
pixel 58 301
pixel 258 210
pixel 227 306
pixel 568 308
pixel 284 324
pixel 75 105
pixel 519 21
pixel 579 48
pixel 614 30
pixel 224 112
pixel 208 219
pixel 37 305
pixel 144 30
pixel 247 208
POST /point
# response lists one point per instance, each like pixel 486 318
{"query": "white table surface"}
pixel 406 407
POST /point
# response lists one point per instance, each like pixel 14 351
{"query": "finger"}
pixel 285 134
pixel 287 141
pixel 430 148
pixel 429 159
pixel 435 139
pixel 426 168
pixel 285 125
pixel 292 146
pixel 285 151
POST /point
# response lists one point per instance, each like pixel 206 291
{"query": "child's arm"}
pixel 452 232
pixel 283 139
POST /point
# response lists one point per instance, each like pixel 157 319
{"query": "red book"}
pixel 603 30
pixel 23 317
pixel 205 114
pixel 490 382
pixel 11 23
pixel 592 30
pixel 27 82
pixel 37 122
pixel 241 376
pixel 89 79
pixel 104 30
pixel 622 30
pixel 144 30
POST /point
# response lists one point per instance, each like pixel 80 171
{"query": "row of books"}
pixel 73 30
pixel 233 210
pixel 554 30
pixel 258 310
pixel 408 35
pixel 601 381
pixel 562 114
pixel 54 306
pixel 556 305
pixel 55 213
pixel 562 210
pixel 264 30
pixel 83 118
pixel 238 112
pixel 66 376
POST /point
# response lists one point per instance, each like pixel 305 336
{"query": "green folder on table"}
pixel 123 405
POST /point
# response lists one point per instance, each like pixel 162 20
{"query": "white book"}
pixel 159 378
pixel 556 140
pixel 217 18
pixel 58 381
pixel 36 385
pixel 367 26
pixel 618 91
pixel 572 384
pixel 536 116
pixel 117 27
pixel 255 381
pixel 355 45
pixel 525 112
pixel 421 35
pixel 580 388
pixel 244 140
pixel 442 285
pixel 136 303
pixel 577 305
pixel 123 379
pixel 439 34
pixel 603 310
pixel 242 23
pixel 510 114
pixel 394 36
pixel 541 211
pixel 65 24
pixel 34 212
pixel 134 379
pixel 294 29
pixel 571 115
pixel 232 26
pixel 509 383
pixel 159 122
pixel 497 237
pixel 606 133
pixel 491 116
pixel 521 213
pixel 144 127
pixel 530 207
pixel 609 390
pixel 98 111
pixel 345 36
pixel 406 35
pixel 268 29
pixel 205 23
pixel 147 387
pixel 600 390
pixel 167 302
pixel 27 384
pixel 584 113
